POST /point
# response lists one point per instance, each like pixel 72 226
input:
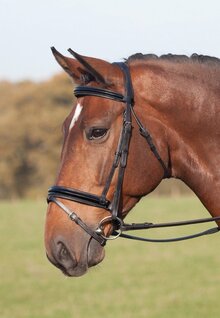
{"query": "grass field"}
pixel 136 279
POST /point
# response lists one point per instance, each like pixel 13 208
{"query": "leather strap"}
pixel 78 196
pixel 169 240
pixel 82 91
pixel 74 217
pixel 147 226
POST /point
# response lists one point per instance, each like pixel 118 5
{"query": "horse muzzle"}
pixel 74 261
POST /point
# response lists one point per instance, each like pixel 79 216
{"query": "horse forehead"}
pixel 94 108
pixel 97 107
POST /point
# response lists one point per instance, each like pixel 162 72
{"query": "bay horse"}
pixel 107 166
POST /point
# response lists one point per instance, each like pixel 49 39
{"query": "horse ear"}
pixel 83 60
pixel 71 66
pixel 85 69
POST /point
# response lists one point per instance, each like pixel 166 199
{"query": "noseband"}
pixel 119 164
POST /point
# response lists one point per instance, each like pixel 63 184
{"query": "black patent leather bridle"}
pixel 119 164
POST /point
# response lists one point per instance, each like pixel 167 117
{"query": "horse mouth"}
pixel 68 271
pixel 95 253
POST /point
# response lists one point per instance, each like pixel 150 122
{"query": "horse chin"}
pixel 80 270
pixel 94 255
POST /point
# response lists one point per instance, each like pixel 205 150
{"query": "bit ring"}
pixel 108 219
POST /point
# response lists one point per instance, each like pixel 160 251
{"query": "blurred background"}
pixel 35 98
pixel 36 95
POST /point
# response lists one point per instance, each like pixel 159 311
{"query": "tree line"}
pixel 31 116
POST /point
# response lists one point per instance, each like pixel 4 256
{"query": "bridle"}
pixel 119 164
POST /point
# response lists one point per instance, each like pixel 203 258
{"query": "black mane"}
pixel 197 58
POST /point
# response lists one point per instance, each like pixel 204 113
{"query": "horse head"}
pixel 92 133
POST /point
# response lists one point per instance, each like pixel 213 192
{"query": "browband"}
pixel 82 91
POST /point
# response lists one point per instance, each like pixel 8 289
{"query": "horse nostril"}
pixel 64 257
pixel 63 254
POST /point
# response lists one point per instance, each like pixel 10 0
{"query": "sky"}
pixel 110 30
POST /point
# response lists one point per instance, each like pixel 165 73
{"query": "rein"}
pixel 119 164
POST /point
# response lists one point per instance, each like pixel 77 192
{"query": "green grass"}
pixel 136 279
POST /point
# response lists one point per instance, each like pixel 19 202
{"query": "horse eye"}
pixel 96 133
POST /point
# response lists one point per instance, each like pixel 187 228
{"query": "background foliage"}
pixel 31 116
pixel 30 134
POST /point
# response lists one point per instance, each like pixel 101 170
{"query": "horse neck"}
pixel 177 97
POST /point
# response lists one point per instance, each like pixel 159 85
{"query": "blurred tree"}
pixel 31 116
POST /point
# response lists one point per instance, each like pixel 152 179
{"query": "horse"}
pixel 106 165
